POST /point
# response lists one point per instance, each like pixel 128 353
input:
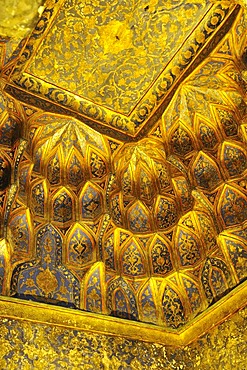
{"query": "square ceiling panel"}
pixel 111 52
pixel 115 64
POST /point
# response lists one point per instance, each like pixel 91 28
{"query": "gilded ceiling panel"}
pixel 116 49
pixel 130 61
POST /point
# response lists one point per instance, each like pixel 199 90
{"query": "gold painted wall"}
pixel 26 345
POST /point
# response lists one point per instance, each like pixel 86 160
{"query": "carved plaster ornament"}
pixel 127 194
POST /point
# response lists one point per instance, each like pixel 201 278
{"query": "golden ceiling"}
pixel 123 158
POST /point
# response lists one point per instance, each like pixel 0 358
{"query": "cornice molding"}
pixel 18 309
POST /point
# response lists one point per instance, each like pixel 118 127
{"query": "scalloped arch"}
pixel 139 218
pixel 232 206
pixel 91 204
pixel 94 289
pixel 63 207
pixel 132 260
pixel 80 247
pixel 148 303
pixel 233 158
pixel 206 172
pixel 121 300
